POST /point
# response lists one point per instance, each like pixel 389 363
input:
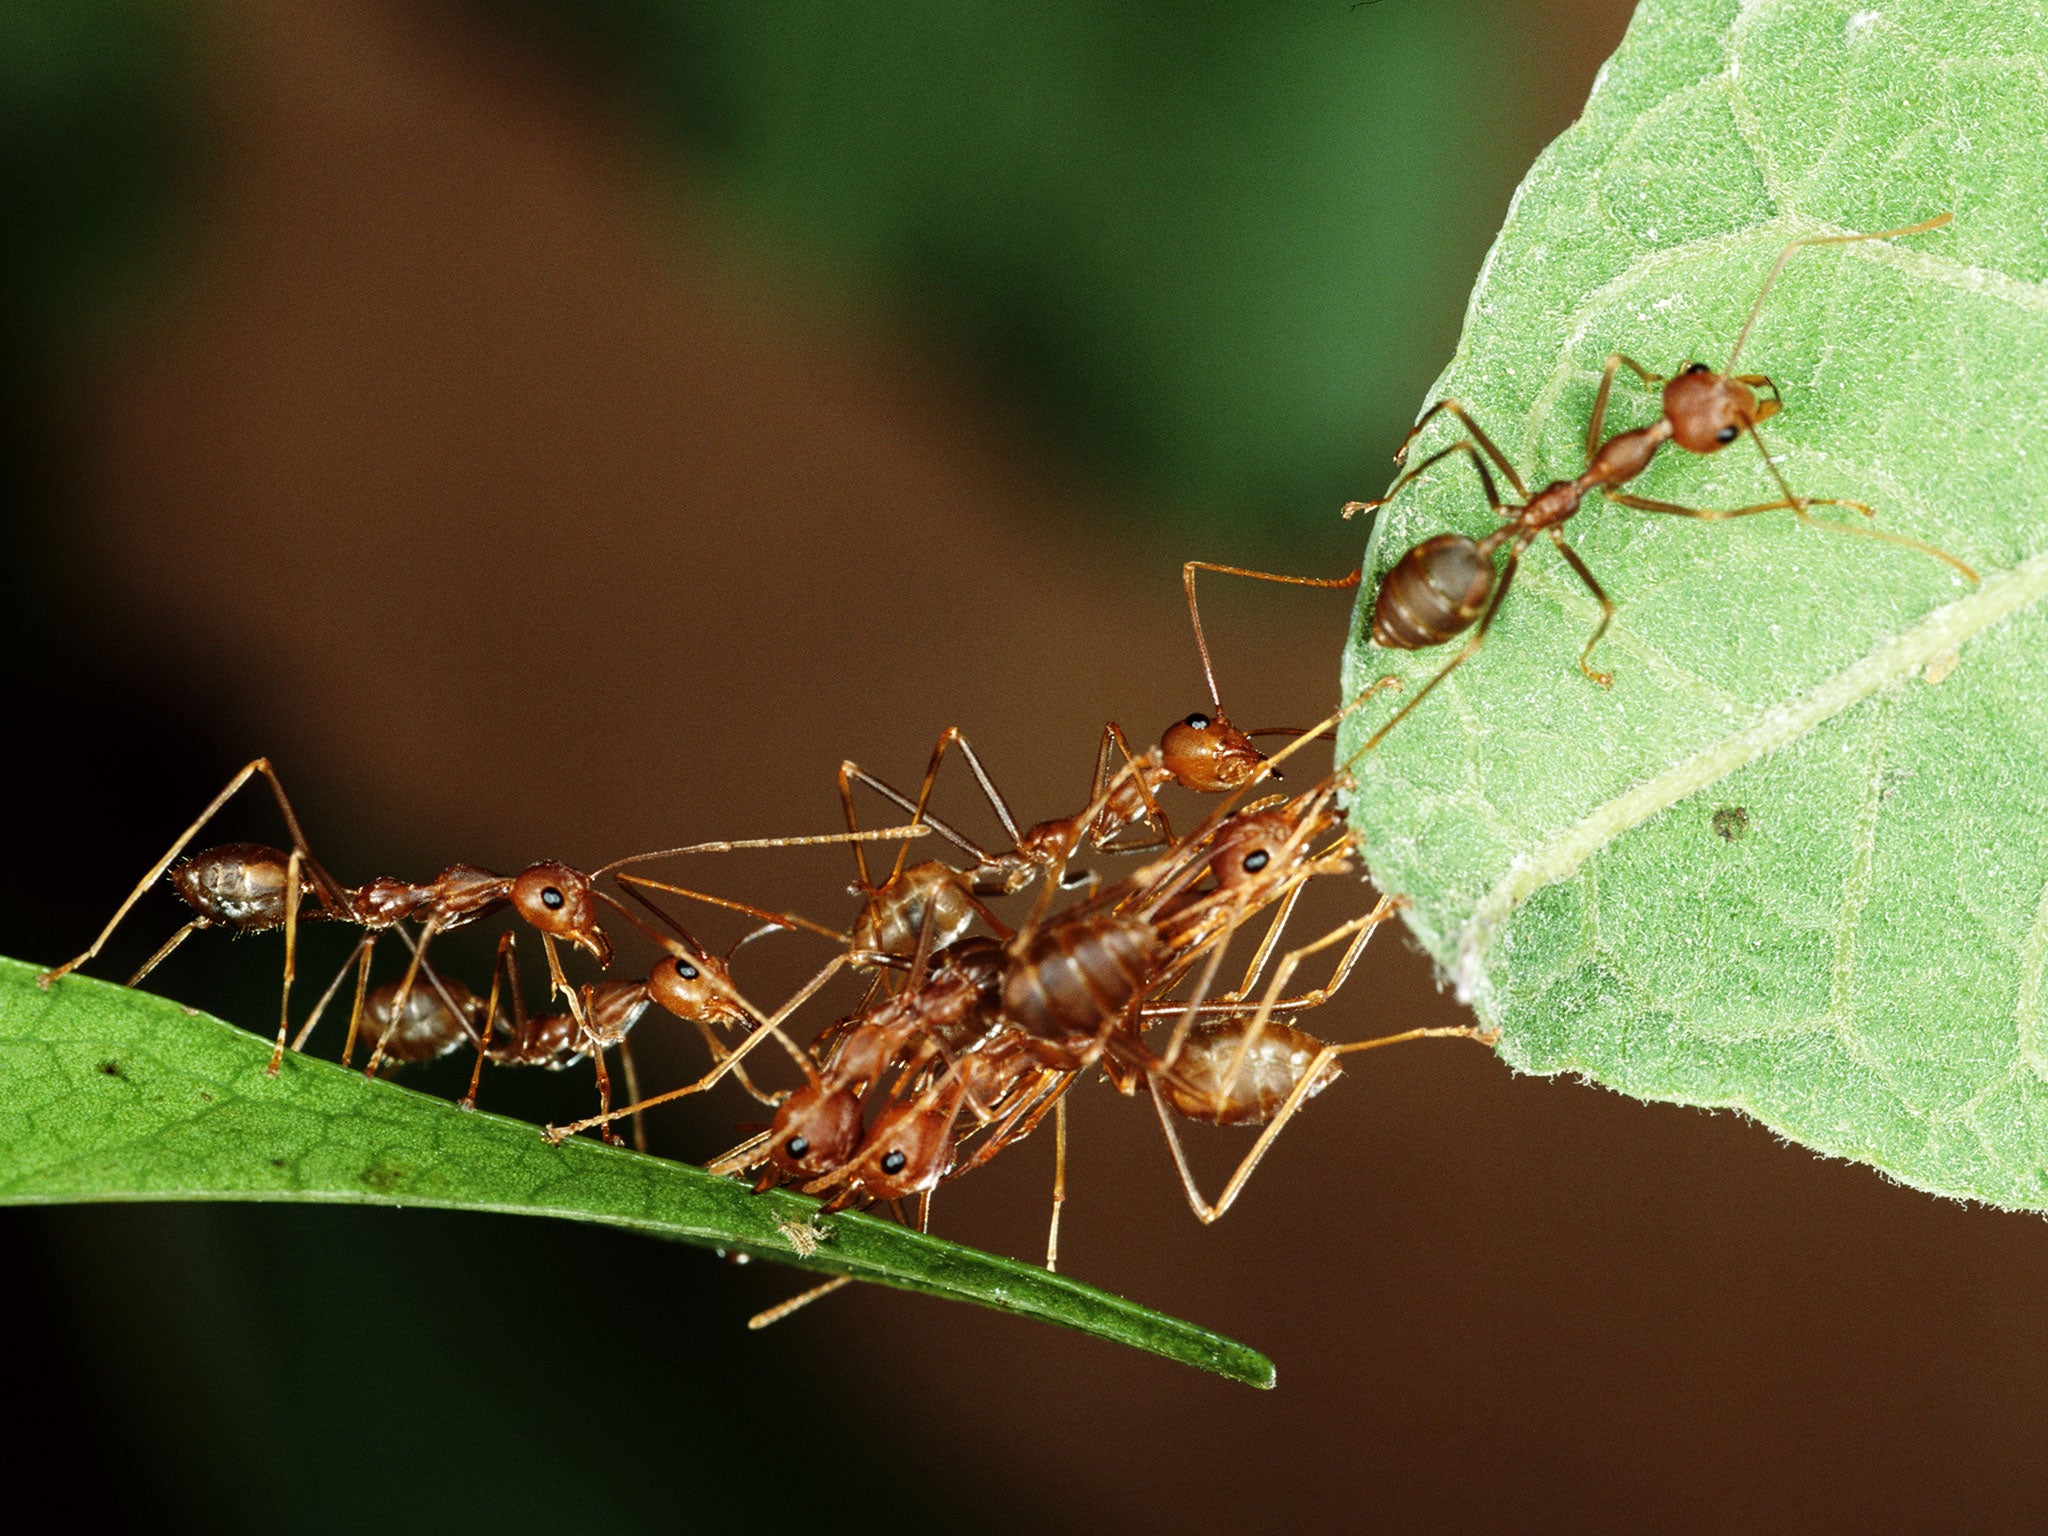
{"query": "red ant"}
pixel 1444 585
pixel 250 888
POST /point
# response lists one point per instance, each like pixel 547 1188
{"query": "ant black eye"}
pixel 892 1162
pixel 1697 368
pixel 689 973
pixel 1254 862
pixel 1196 722
pixel 797 1146
pixel 1726 435
pixel 552 899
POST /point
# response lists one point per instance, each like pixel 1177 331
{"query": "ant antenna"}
pixel 1786 255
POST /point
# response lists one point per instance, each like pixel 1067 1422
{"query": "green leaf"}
pixel 112 1094
pixel 1793 861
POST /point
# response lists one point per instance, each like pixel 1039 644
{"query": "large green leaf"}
pixel 1793 862
pixel 112 1094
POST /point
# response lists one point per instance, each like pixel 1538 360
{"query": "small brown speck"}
pixel 1731 823
pixel 111 1068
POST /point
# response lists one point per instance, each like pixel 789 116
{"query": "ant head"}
pixel 557 900
pixel 1709 410
pixel 696 986
pixel 1254 849
pixel 909 1150
pixel 1257 850
pixel 1208 754
pixel 816 1128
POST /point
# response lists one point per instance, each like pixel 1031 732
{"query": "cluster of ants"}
pixel 972 1030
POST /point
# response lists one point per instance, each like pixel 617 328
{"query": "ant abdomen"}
pixel 426 1028
pixel 1266 1075
pixel 1066 980
pixel 237 885
pixel 1434 592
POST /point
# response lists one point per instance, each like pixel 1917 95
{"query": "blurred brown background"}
pixel 553 431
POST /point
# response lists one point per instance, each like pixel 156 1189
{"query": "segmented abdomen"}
pixel 1434 592
pixel 1068 983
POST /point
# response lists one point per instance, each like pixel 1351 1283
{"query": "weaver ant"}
pixel 250 888
pixel 1444 585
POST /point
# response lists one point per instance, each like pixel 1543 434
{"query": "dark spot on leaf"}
pixel 111 1068
pixel 277 1162
pixel 205 1098
pixel 1731 823
pixel 383 1175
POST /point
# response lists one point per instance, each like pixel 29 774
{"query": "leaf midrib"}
pixel 1893 660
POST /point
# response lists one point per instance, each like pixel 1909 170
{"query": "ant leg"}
pixel 1324 1060
pixel 1604 679
pixel 1218 946
pixel 1059 1182
pixel 169 944
pixel 1473 430
pixel 967 845
pixel 1596 424
pixel 326 997
pixel 355 1015
pixel 1102 829
pixel 1462 445
pixel 762 1030
pixel 249 770
pixel 604 1098
pixel 632 1076
pixel 1267 944
pixel 717 1047
pixel 1797 506
pixel 412 972
pixel 1187 577
pixel 291 961
pixel 740 1157
pixel 504 969
pixel 778 1312
pixel 1500 591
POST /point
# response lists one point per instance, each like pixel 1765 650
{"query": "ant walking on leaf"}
pixel 1449 583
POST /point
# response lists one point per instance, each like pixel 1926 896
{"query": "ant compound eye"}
pixel 552 899
pixel 1256 861
pixel 797 1146
pixel 1727 434
pixel 689 973
pixel 1197 722
pixel 1697 368
pixel 892 1162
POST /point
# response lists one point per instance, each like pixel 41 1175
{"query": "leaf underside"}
pixel 113 1094
pixel 1795 860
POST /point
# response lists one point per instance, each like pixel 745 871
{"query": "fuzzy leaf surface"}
pixel 1795 860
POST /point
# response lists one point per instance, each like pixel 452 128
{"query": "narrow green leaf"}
pixel 112 1094
pixel 1795 861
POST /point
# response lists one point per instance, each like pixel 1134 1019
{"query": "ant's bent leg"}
pixel 1604 679
pixel 156 871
